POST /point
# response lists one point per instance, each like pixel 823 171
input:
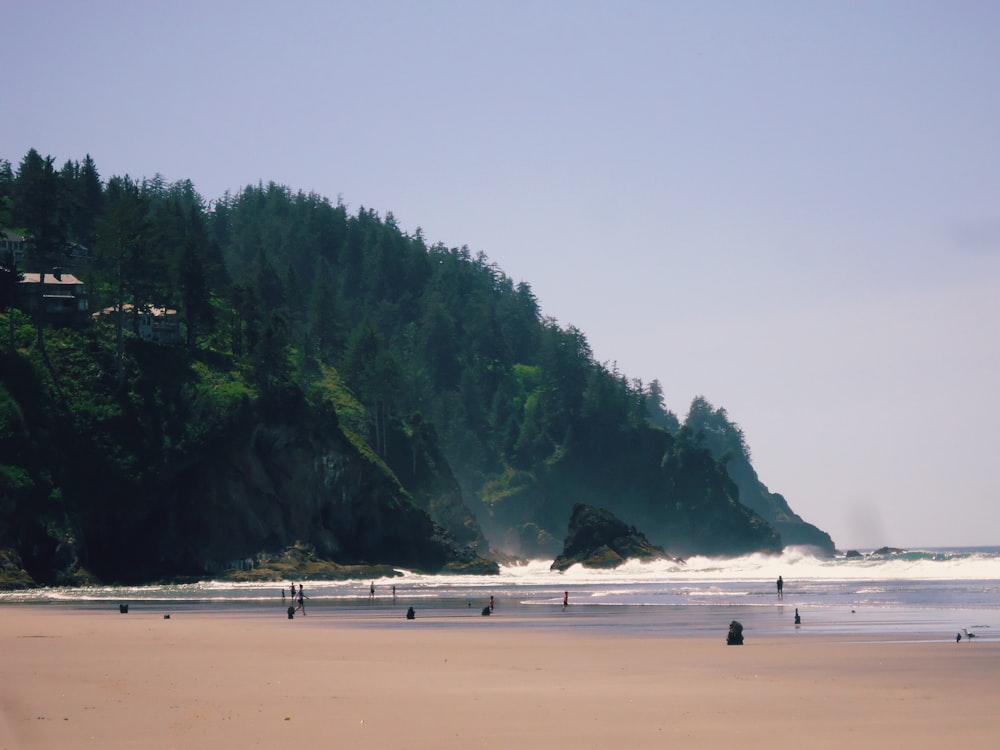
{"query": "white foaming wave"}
pixel 794 562
pixel 796 565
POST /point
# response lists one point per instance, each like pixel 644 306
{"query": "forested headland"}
pixel 332 387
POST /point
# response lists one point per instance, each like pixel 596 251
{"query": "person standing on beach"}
pixel 371 591
pixel 302 600
pixel 565 599
pixel 781 586
pixel 491 602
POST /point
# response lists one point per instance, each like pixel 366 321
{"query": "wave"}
pixel 981 563
pixel 975 572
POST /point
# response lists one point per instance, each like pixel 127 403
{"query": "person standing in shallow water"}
pixel 565 599
pixel 781 586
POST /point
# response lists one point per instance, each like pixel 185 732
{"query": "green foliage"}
pixel 329 388
pixel 509 483
pixel 283 293
pixel 218 394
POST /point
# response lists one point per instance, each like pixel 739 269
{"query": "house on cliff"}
pixel 158 325
pixel 12 247
pixel 61 297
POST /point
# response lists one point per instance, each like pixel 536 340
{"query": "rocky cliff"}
pixel 293 477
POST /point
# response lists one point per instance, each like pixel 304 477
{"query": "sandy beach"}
pixel 97 679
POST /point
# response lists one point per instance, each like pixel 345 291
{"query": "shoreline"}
pixel 663 620
pixel 74 678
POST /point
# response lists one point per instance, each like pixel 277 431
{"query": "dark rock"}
pixel 486 611
pixel 13 576
pixel 735 635
pixel 410 614
pixel 599 539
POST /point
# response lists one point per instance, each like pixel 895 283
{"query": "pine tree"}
pixel 39 208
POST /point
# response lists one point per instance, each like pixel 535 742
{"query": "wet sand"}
pixel 98 679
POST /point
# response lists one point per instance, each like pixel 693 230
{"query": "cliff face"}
pixel 726 442
pixel 290 479
pixel 668 486
pixel 137 496
pixel 773 508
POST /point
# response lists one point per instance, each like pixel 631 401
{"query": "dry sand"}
pixel 72 679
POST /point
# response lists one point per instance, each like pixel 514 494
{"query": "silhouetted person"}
pixel 565 599
pixel 491 603
pixel 302 600
pixel 781 586
pixel 798 620
pixel 371 591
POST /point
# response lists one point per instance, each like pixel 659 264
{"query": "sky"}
pixel 791 209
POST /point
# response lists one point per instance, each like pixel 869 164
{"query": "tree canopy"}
pixel 288 287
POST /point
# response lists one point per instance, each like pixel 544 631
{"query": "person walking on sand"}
pixel 491 602
pixel 781 586
pixel 302 600
pixel 565 599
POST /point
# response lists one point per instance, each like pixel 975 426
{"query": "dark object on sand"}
pixel 735 636
pixel 166 617
pixel 291 613
pixel 798 620
pixel 486 610
pixel 410 614
pixel 123 609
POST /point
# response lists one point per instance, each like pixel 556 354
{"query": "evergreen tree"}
pixel 271 358
pixel 38 207
pixel 192 280
pixel 121 236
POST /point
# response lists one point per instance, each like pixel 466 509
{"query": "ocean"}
pixel 915 594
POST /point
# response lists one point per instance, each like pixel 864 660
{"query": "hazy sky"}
pixel 790 208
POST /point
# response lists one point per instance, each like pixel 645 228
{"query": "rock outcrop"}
pixel 286 480
pixel 599 539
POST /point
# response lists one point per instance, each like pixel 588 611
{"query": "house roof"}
pixel 65 279
pixel 156 312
